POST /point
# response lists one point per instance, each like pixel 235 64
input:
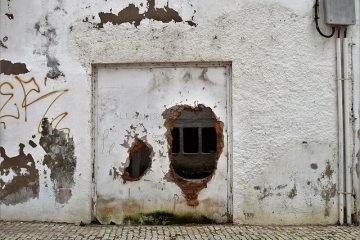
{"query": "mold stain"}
pixel 293 192
pixel 131 14
pixel 53 64
pixel 19 178
pixel 46 30
pixel 327 194
pixel 60 159
pixel 166 218
pixel 8 68
pixel 325 188
pixel 190 187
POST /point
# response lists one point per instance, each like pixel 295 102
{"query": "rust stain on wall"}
pixel 19 178
pixel 190 188
pixel 131 14
pixel 60 159
pixel 8 68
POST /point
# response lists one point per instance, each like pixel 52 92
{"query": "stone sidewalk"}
pixel 33 230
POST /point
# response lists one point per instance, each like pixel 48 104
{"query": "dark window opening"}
pixel 194 144
pixel 175 133
pixel 208 136
pixel 191 140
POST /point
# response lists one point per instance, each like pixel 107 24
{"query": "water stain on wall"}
pixel 60 159
pixel 49 32
pixel 8 68
pixel 131 14
pixel 190 187
pixel 19 178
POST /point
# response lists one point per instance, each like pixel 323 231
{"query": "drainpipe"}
pixel 344 130
pixel 355 63
pixel 340 130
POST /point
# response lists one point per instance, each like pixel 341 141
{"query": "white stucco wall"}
pixel 283 96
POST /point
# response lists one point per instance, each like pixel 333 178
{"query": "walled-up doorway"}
pixel 162 143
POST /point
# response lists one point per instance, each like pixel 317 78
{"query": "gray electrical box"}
pixel 339 12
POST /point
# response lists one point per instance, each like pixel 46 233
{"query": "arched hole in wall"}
pixel 194 144
pixel 139 161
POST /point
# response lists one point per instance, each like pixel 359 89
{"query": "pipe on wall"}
pixel 347 128
pixel 340 129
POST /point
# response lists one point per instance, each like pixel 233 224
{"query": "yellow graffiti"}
pixel 30 93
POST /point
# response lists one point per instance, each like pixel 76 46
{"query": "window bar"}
pixel 181 142
pixel 200 140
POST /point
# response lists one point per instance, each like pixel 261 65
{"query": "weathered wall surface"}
pixel 283 97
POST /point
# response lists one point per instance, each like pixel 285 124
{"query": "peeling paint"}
pixel 60 159
pixel 8 68
pixel 10 16
pixel 131 14
pixel 19 178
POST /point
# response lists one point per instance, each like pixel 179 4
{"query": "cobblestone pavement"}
pixel 33 230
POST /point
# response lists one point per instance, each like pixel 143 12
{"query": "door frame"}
pixel 94 96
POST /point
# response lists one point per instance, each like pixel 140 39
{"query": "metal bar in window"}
pixel 181 142
pixel 200 140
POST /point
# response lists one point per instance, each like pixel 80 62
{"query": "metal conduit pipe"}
pixel 347 137
pixel 340 129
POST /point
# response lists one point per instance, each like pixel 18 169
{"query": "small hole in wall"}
pixel 140 161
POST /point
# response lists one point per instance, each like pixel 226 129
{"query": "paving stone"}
pixel 35 230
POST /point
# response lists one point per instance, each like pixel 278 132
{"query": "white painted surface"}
pixel 129 106
pixel 283 95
